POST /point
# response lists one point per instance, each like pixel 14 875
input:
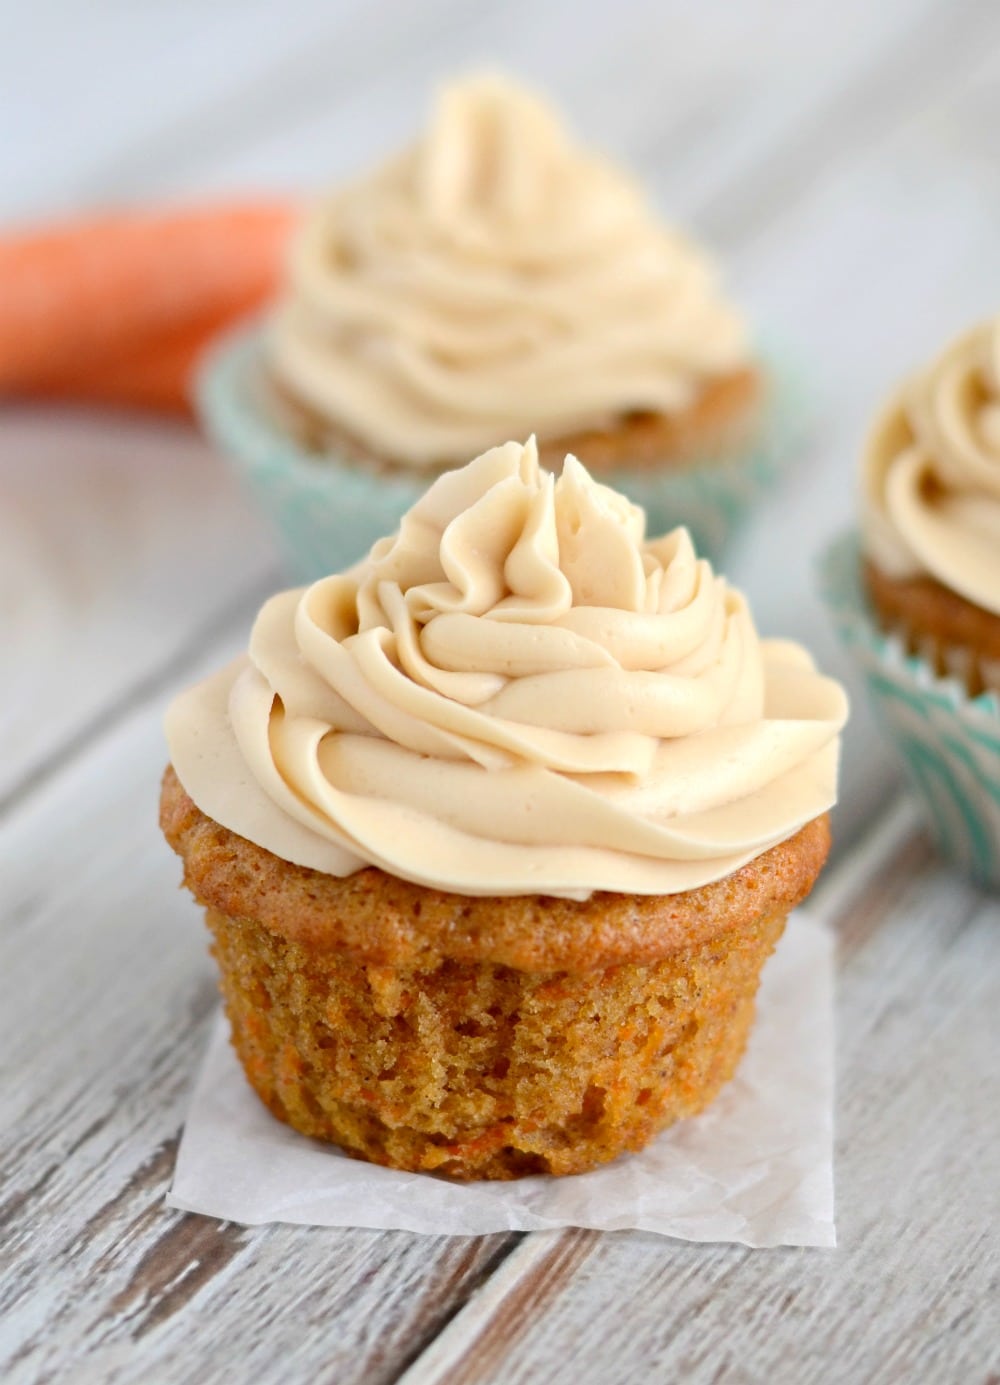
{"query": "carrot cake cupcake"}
pixel 495 831
pixel 932 511
pixel 495 279
pixel 917 598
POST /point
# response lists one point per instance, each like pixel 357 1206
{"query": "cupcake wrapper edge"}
pixel 328 515
pixel 949 742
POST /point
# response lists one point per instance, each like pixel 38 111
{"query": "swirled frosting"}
pixel 515 694
pixel 491 281
pixel 932 473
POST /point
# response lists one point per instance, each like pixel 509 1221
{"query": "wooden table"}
pixel 843 160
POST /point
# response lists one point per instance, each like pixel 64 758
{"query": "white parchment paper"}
pixel 756 1168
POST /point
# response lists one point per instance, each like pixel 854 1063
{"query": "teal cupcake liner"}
pixel 327 512
pixel 949 742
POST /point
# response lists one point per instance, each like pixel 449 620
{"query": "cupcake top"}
pixel 493 279
pixel 517 693
pixel 932 473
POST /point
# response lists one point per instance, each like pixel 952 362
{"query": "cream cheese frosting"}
pixel 517 693
pixel 932 473
pixel 493 280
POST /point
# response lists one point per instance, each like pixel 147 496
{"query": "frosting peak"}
pixel 492 279
pixel 515 694
pixel 493 154
pixel 932 473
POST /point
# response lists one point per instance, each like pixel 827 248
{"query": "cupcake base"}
pixel 957 638
pixel 720 423
pixel 481 1071
pixel 483 1038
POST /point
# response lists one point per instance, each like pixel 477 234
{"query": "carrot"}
pixel 112 298
pixel 494 1137
pixel 151 373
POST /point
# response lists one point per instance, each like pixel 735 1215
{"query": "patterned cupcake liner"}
pixel 327 512
pixel 949 741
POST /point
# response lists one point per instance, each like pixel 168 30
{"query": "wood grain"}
pixel 125 548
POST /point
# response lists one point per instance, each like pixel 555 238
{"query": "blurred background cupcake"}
pixel 490 281
pixel 918 596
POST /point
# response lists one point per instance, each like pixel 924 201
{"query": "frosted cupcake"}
pixel 925 617
pixel 496 830
pixel 496 280
pixel 932 511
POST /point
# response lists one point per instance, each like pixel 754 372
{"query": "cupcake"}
pixel 932 512
pixel 495 831
pixel 919 597
pixel 493 280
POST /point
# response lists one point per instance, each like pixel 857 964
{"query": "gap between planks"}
pixel 544 1262
pixel 143 690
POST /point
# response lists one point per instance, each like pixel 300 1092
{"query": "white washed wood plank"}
pixel 888 66
pixel 696 96
pixel 121 541
pixel 911 1291
pixel 82 86
pixel 357 72
pixel 105 995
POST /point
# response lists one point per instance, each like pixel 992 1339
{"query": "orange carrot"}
pixel 111 297
pixel 491 1139
pixel 149 373
pixel 154 377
